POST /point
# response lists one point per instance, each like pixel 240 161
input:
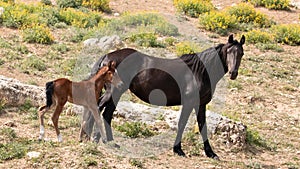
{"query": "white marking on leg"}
pixel 42 132
pixel 59 138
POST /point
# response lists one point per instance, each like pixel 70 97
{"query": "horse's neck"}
pixel 213 64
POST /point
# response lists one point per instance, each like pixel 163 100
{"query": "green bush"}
pixel 246 13
pixel 22 15
pixel 193 8
pixel 186 48
pixel 219 22
pixel 69 3
pixel 102 5
pixel 12 150
pixel 271 4
pixel 15 16
pixel 46 2
pixel 258 36
pixel 145 40
pixel 141 18
pixel 135 129
pixel 287 33
pixel 79 18
pixel 37 34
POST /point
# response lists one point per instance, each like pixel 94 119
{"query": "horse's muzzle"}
pixel 233 74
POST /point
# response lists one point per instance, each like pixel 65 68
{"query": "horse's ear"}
pixel 230 39
pixel 243 39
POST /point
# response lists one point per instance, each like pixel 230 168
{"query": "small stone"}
pixel 33 154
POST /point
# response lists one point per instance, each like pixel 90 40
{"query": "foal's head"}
pixel 233 52
pixel 108 71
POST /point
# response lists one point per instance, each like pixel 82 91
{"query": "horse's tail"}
pixel 49 93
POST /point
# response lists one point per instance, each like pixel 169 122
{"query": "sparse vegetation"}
pixel 271 4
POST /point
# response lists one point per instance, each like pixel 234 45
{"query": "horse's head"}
pixel 233 51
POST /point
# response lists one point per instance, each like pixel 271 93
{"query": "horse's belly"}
pixel 161 90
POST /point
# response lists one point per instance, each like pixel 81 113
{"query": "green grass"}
pixel 135 129
pixel 254 138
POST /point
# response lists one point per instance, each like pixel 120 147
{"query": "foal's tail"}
pixel 49 93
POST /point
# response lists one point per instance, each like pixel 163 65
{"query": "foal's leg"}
pixel 42 112
pixel 86 124
pixel 99 122
pixel 55 117
pixel 201 119
pixel 184 116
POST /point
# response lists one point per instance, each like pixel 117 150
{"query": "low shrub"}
pixel 246 13
pixel 15 16
pixel 186 48
pixel 69 3
pixel 269 46
pixel 271 4
pixel 37 34
pixel 20 15
pixel 258 36
pixel 193 8
pixel 135 129
pixel 287 33
pixel 46 2
pixel 102 5
pixel 145 40
pixel 79 18
pixel 219 22
pixel 141 18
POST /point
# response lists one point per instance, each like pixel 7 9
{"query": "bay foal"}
pixel 85 93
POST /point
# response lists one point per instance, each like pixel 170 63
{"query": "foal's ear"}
pixel 243 39
pixel 112 65
pixel 230 39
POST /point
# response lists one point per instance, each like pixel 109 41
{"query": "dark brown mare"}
pixel 189 81
pixel 85 93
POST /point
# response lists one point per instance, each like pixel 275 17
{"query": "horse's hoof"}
pixel 179 152
pixel 213 156
pixel 216 158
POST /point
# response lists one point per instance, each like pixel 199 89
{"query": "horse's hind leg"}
pixel 55 118
pixel 99 122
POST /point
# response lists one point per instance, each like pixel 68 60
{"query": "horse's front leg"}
pixel 201 119
pixel 184 116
